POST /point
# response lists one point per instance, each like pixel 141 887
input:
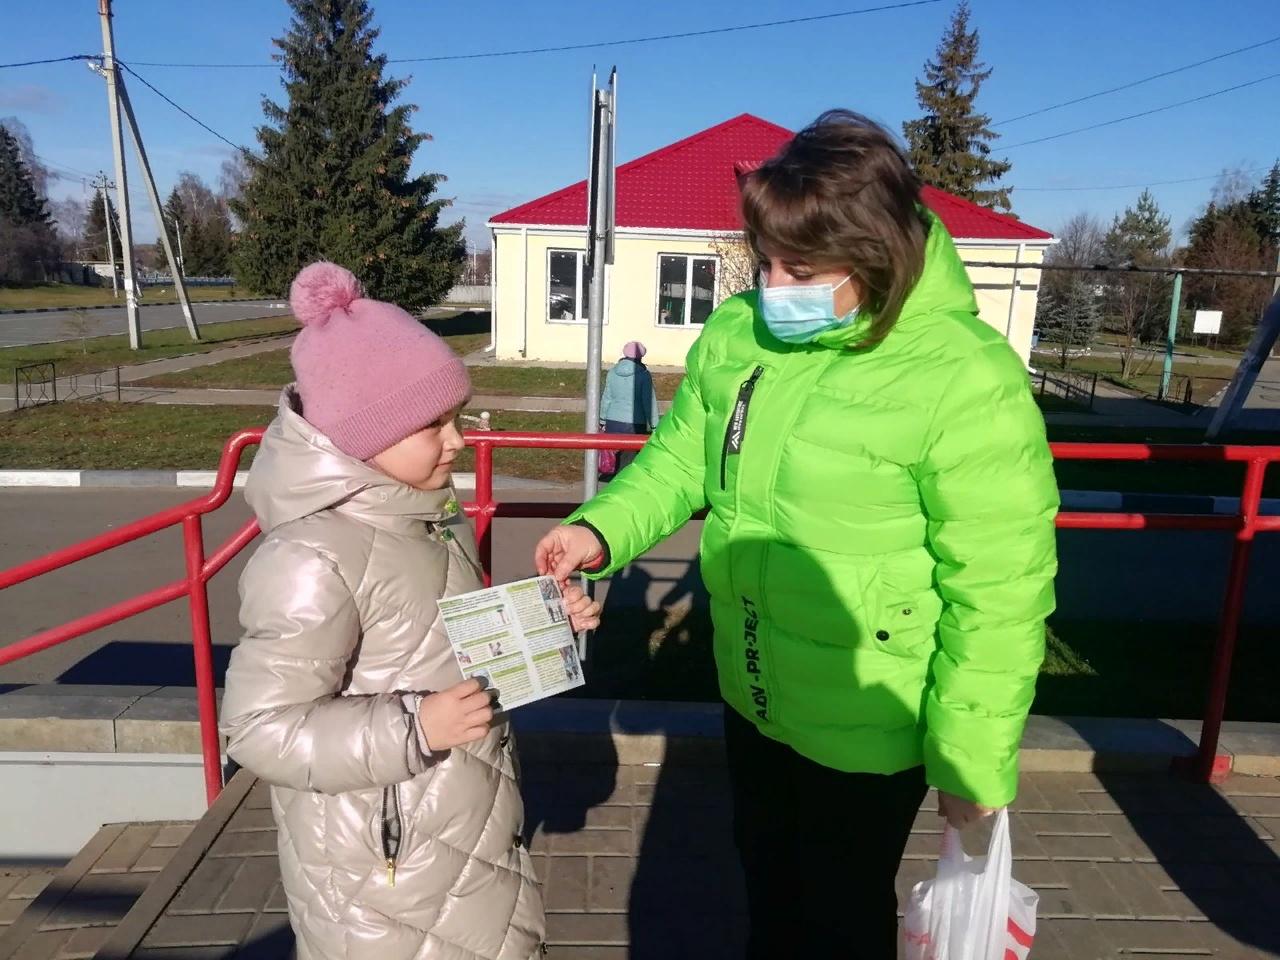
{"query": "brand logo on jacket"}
pixel 751 650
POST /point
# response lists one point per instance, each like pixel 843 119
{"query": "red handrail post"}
pixel 485 507
pixel 1207 768
pixel 202 650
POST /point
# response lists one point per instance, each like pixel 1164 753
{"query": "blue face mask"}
pixel 799 313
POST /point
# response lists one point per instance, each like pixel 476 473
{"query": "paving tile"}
pixel 42 945
pixel 153 859
pixel 565 884
pixel 1082 848
pixel 1076 939
pixel 270 938
pixel 610 817
pixel 256 818
pixel 30 887
pixel 587 928
pixel 1256 805
pixel 252 884
pixel 593 841
pixel 259 797
pixel 8 881
pixel 172 834
pixel 198 930
pixel 277 902
pixel 1137 892
pixel 1246 786
pixel 225 952
pixel 1156 936
pixel 10 909
pixel 253 843
pixel 126 849
pixel 561 952
pixel 202 890
pixel 610 883
pixel 85 942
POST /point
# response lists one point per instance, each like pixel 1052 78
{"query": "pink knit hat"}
pixel 368 373
pixel 634 349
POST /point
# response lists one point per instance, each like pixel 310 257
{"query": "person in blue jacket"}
pixel 628 403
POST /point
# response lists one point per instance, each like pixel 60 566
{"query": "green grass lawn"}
pixel 92 435
pixel 75 295
pixel 97 353
pixel 1206 378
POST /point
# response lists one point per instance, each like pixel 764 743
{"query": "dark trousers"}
pixel 820 849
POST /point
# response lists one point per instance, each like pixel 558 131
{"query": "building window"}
pixel 568 286
pixel 686 289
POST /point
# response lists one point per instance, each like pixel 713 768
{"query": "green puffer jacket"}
pixel 880 546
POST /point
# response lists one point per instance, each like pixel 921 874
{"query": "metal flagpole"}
pixel 600 225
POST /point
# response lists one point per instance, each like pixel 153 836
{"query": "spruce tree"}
pixel 332 180
pixel 20 205
pixel 95 231
pixel 950 145
pixel 1264 203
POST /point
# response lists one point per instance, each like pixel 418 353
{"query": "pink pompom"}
pixel 321 288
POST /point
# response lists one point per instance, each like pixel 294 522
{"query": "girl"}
pixel 393 784
pixel 879 547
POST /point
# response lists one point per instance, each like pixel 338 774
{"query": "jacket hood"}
pixel 299 472
pixel 626 367
pixel 943 287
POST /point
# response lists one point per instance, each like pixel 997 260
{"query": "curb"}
pixel 117 306
pixel 57 718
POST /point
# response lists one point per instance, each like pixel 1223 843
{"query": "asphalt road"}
pixel 21 329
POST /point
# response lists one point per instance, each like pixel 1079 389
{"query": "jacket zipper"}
pixel 391 827
pixel 736 431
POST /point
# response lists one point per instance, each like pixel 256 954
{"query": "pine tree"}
pixel 1139 301
pixel 333 180
pixel 95 231
pixel 950 146
pixel 1071 317
pixel 1264 202
pixel 20 205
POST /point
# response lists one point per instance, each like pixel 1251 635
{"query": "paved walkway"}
pixel 636 862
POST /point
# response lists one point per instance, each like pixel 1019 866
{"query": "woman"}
pixel 879 547
pixel 628 403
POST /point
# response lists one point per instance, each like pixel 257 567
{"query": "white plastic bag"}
pixel 973 909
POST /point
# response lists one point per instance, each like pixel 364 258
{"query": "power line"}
pixel 1135 83
pixel 597 44
pixel 181 109
pixel 62 166
pixel 34 63
pixel 1134 186
pixel 1144 113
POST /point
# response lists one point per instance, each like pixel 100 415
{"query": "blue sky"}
pixel 510 129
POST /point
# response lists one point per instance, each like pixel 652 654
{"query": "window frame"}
pixel 689 258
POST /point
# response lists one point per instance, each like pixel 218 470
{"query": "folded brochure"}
pixel 517 638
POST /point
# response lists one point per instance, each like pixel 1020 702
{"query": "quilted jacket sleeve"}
pixel 282 714
pixel 988 488
pixel 662 488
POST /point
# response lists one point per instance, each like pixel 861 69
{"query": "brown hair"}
pixel 842 191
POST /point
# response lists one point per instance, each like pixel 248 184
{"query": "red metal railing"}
pixel 484 509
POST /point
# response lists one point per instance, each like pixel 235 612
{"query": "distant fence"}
pixel 1076 387
pixel 38 384
pixel 469 293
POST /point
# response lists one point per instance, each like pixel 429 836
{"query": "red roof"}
pixel 691 185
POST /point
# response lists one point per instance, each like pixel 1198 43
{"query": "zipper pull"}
pixel 391 872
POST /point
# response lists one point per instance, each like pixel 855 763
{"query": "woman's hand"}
pixel 584 613
pixel 457 716
pixel 564 551
pixel 959 812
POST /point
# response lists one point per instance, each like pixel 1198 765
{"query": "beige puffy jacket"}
pixel 339 610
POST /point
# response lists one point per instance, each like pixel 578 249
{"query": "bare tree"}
pixel 738 266
pixel 78 326
pixel 1079 241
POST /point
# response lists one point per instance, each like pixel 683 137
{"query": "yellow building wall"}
pixel 994 289
pixel 631 290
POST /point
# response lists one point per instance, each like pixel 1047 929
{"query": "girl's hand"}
pixel 584 613
pixel 456 716
pixel 566 550
pixel 959 812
